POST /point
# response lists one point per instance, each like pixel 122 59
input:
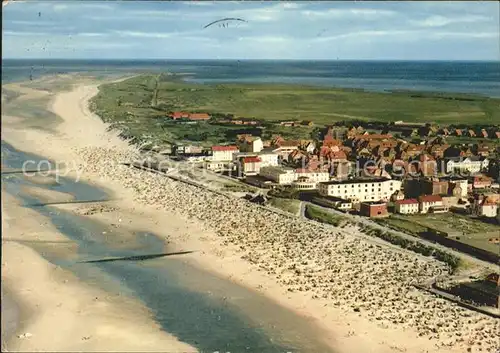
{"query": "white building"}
pixel 460 187
pixel 267 157
pixel 360 190
pixel 223 153
pixel 311 146
pixel 282 176
pixel 317 177
pixel 286 148
pixel 408 206
pixel 488 210
pixel 470 165
pixel 308 179
pixel 430 203
pixel 304 183
pixel 252 144
pixel 215 165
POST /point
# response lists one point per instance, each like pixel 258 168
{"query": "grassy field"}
pixel 287 205
pixel 140 105
pixel 317 214
pixel 462 228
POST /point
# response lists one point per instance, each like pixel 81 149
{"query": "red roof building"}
pixel 430 198
pixel 224 148
pixel 199 116
pixel 179 115
pixel 406 202
pixel 408 206
pixel 252 160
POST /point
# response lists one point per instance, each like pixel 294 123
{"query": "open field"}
pixel 287 205
pixel 465 229
pixel 140 104
pixel 317 214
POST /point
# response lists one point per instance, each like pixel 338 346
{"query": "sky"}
pixel 307 30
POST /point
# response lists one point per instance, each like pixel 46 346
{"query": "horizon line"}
pixel 231 59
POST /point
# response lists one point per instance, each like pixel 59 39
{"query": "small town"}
pixel 371 173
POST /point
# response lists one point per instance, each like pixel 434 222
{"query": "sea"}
pixel 477 78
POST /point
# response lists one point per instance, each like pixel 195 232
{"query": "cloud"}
pixel 25 34
pixel 144 34
pixel 198 3
pixel 351 13
pixel 266 39
pixel 91 34
pixel 441 35
pixel 368 34
pixel 440 21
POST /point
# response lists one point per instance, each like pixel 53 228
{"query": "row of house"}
pixel 189 116
pixel 468 132
pixel 424 204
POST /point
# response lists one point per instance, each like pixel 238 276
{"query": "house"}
pixel 427 165
pixel 286 147
pixel 188 150
pixel 435 186
pixel 486 206
pixel 223 153
pixel 467 165
pixel 481 182
pixel 199 116
pixel 288 123
pixel 437 151
pixel 484 133
pixel 430 203
pixel 360 190
pixel 250 144
pixel 250 165
pixel 373 209
pixel 179 115
pixel 481 150
pixel 458 132
pixel 310 147
pixel 268 158
pixel 471 133
pixel 458 187
pixel 280 175
pixel 215 166
pixel 297 157
pixel 408 206
pixel 444 132
pixel 398 195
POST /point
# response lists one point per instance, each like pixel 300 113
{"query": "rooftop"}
pixel 224 148
pixel 355 181
pixel 430 198
pixel 406 202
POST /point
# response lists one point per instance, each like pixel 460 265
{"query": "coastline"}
pixel 47 295
pixel 83 138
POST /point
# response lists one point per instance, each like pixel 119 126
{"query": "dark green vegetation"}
pixel 412 245
pixel 287 205
pixel 319 215
pixel 140 105
pixel 467 230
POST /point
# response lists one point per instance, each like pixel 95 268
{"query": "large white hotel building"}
pixel 360 190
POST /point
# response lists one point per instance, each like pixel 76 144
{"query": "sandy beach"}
pixel 358 292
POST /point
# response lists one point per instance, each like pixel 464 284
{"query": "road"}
pixel 368 222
